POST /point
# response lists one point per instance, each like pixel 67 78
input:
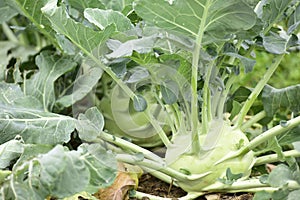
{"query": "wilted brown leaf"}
pixel 126 180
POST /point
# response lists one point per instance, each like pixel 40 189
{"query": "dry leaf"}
pixel 126 180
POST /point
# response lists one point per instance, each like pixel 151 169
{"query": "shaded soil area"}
pixel 151 185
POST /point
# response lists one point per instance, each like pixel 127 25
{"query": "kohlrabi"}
pixel 180 65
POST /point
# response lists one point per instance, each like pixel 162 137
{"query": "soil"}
pixel 151 185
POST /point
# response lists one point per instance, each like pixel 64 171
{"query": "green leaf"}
pixel 81 87
pixel 81 5
pixel 169 91
pixel 139 103
pixel 117 4
pixel 280 176
pixel 273 43
pixel 41 84
pixel 236 107
pixel 141 45
pixel 271 11
pixel 294 21
pixel 32 10
pixel 247 63
pixel 215 18
pixel 296 146
pixel 10 151
pixel 90 124
pixel 262 196
pixel 101 164
pixel 23 115
pixel 84 37
pixel 63 173
pixel 285 98
pixel 294 195
pixel 104 18
pixel 231 176
pixel 6 12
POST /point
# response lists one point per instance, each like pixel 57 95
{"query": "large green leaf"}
pixel 285 98
pixel 41 85
pixel 23 115
pixel 215 18
pixel 57 172
pixel 84 37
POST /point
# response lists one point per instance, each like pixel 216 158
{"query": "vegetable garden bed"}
pixel 94 94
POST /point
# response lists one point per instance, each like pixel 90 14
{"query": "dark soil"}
pixel 151 185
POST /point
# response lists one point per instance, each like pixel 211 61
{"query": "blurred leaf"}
pixel 90 124
pixel 247 63
pixel 273 43
pixel 262 196
pixel 139 103
pixel 236 107
pixel 104 18
pixel 10 151
pixel 294 21
pixel 294 195
pixel 23 115
pixel 169 91
pixel 117 5
pixel 220 18
pixel 81 87
pixel 6 12
pixel 41 84
pixel 280 176
pixel 285 98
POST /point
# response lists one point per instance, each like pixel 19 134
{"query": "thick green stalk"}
pixel 253 120
pixel 130 146
pixel 9 33
pixel 194 84
pixel 276 130
pixel 259 87
pixel 189 196
pixel 162 167
pixel 274 157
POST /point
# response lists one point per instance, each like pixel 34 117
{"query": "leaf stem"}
pixel 130 146
pixel 189 196
pixel 276 130
pixel 194 83
pixel 9 33
pixel 259 87
pixel 253 120
pixel 274 157
pixel 161 167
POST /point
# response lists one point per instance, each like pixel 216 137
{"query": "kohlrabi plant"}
pixel 165 76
